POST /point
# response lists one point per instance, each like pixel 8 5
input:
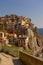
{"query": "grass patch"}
pixel 28 51
pixel 13 50
pixel 0 60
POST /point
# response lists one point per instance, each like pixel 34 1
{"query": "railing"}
pixel 29 59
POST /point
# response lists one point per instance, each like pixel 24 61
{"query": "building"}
pixel 3 38
pixel 12 38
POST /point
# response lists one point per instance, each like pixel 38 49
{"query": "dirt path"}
pixel 9 60
pixel 6 59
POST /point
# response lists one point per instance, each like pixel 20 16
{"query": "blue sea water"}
pixel 40 31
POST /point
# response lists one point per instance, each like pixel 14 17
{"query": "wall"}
pixel 29 59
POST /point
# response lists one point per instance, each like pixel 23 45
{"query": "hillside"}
pixel 20 31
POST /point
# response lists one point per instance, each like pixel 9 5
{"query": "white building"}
pixel 3 38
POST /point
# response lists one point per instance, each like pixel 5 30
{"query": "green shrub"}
pixel 13 50
pixel 28 51
pixel 0 60
pixel 5 49
pixel 0 47
pixel 13 53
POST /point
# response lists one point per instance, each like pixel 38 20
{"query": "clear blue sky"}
pixel 29 8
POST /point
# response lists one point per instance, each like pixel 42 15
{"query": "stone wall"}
pixel 29 59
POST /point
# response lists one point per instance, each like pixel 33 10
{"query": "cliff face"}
pixel 27 34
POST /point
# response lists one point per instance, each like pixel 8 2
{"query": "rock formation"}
pixel 27 34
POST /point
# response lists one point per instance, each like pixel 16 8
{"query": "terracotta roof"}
pixel 11 34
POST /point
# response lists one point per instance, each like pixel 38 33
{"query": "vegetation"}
pixel 13 50
pixel 15 25
pixel 0 47
pixel 0 60
pixel 28 51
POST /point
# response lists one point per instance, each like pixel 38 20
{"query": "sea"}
pixel 40 31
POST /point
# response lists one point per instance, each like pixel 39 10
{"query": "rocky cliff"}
pixel 27 34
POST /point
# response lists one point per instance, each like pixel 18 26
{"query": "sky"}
pixel 29 8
